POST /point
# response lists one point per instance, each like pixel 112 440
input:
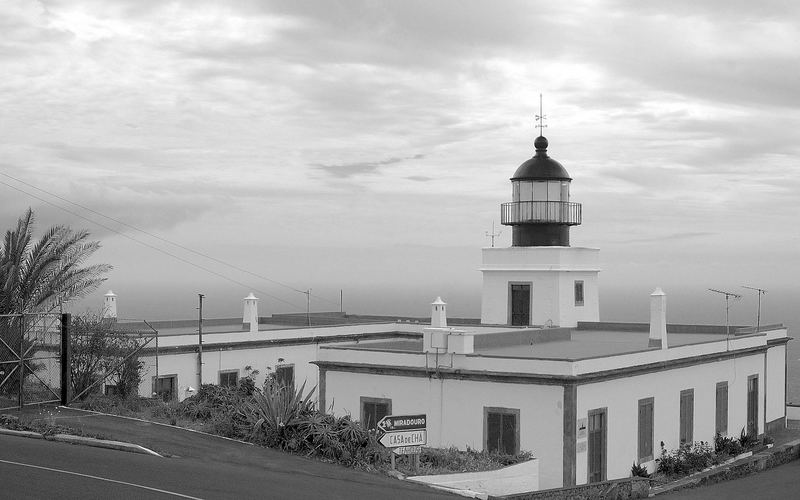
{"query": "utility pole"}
pixel 308 306
pixel 341 301
pixel 200 296
pixel 760 292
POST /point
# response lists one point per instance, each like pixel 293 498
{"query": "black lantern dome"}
pixel 540 213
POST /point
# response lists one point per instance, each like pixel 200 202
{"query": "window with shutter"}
pixel 373 410
pixel 687 416
pixel 752 405
pixel 721 426
pixel 646 429
pixel 501 430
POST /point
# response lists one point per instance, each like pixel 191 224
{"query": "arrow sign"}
pixel 393 423
pixel 404 438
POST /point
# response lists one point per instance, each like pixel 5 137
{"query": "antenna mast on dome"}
pixel 540 118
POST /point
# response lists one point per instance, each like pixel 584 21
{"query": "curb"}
pixel 27 434
pixel 102 443
pixel 86 441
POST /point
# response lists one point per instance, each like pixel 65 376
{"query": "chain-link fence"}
pixel 106 356
pixel 30 359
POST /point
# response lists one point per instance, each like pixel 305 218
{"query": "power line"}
pixel 149 245
pixel 183 247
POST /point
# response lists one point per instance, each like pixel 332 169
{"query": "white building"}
pixel 538 373
pixel 588 398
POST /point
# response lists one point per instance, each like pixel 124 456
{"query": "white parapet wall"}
pixel 515 479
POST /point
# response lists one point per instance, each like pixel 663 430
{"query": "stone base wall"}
pixel 620 489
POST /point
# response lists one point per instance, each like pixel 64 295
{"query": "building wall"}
pixel 455 410
pixel 621 396
pixel 552 272
pixel 553 296
pixel 185 366
pixel 776 380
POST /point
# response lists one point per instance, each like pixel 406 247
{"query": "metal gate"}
pixel 30 359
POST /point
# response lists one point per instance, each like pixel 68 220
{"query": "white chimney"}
pixel 658 319
pixel 438 313
pixel 110 305
pixel 250 315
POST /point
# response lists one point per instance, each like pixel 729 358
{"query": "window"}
pixel 229 378
pixel 721 426
pixel 752 405
pixel 646 429
pixel 284 376
pixel 501 430
pixel 111 390
pixel 373 410
pixel 165 387
pixel 579 293
pixel 687 416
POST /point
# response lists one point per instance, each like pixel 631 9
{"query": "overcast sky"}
pixel 367 146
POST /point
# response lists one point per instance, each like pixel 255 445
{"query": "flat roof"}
pixel 568 344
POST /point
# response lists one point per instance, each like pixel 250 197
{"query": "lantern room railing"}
pixel 540 212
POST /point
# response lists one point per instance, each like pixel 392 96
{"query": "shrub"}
pixel 686 459
pixel 639 470
pixel 747 440
pixel 724 445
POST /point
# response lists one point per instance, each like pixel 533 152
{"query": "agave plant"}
pixel 275 414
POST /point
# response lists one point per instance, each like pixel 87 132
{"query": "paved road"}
pixel 202 467
pixel 779 483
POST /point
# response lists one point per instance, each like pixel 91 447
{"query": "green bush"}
pixel 445 460
pixel 688 458
pixel 639 470
pixel 726 446
pixel 747 440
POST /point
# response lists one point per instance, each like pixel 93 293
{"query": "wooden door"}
pixel 520 305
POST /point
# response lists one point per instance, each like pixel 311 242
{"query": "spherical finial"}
pixel 540 144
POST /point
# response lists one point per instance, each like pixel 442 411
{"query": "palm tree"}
pixel 35 276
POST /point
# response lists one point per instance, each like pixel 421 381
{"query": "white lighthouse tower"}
pixel 110 305
pixel 540 280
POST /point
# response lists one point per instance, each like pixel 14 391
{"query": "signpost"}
pixel 404 434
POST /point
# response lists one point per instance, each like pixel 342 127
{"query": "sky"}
pixel 364 148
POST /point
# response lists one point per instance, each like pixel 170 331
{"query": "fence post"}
pixel 66 318
pixel 21 365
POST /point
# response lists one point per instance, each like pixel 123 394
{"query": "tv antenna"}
pixel 493 235
pixel 728 297
pixel 760 292
pixel 541 117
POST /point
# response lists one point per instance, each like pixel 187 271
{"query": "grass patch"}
pixel 45 425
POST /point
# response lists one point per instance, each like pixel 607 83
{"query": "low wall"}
pixel 496 483
pixel 632 487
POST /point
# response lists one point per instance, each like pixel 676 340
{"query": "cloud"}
pixel 348 170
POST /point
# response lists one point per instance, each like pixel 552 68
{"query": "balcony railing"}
pixel 540 212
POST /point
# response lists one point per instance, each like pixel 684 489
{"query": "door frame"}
pixel 604 460
pixel 529 284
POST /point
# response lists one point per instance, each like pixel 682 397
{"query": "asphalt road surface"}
pixel 32 468
pixel 780 483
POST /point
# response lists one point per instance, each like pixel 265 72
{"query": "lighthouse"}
pixel 540 280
